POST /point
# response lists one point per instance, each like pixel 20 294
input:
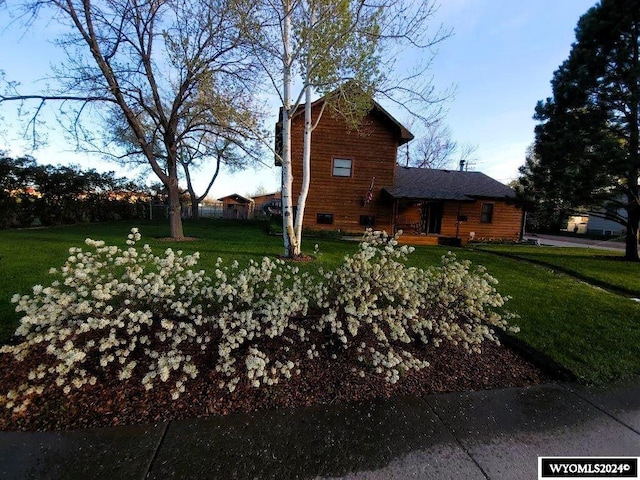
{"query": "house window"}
pixel 324 218
pixel 342 167
pixel 487 213
pixel 368 220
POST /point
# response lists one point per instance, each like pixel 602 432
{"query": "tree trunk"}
pixel 306 170
pixel 175 217
pixel 633 195
pixel 291 248
pixel 631 239
pixel 175 211
pixel 306 149
pixel 195 205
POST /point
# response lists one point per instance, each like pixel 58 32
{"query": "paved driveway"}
pixel 560 241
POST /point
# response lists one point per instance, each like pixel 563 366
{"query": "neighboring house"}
pixel 602 226
pixel 356 184
pixel 577 224
pixel 236 206
pixel 593 223
pixel 264 205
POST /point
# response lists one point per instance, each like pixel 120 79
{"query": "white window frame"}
pixel 342 167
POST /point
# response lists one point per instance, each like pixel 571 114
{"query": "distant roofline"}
pixel 278 192
pixel 236 197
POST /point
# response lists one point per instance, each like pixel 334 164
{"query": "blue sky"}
pixel 501 58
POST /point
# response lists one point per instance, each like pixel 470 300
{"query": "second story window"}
pixel 342 167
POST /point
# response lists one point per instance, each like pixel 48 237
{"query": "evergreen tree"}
pixel 586 150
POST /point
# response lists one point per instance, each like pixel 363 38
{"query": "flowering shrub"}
pixel 463 305
pixel 253 306
pixel 378 305
pixel 129 314
pixel 374 304
pixel 112 311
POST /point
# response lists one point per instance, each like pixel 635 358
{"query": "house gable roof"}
pixel 236 198
pixel 432 184
pixel 402 133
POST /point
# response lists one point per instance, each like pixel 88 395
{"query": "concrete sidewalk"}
pixel 495 434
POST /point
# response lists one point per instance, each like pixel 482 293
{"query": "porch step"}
pixel 429 240
pixel 417 240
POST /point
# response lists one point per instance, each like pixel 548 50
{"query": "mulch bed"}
pixel 322 381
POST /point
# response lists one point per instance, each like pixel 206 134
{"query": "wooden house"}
pixel 453 206
pixel 356 184
pixel 236 207
pixel 349 168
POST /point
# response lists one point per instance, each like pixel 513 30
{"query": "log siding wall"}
pixel 373 151
pixel 506 223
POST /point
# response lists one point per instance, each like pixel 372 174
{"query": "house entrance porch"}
pixel 418 217
pixel 421 222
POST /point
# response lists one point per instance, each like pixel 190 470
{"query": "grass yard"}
pixel 598 267
pixel 593 333
pixel 27 255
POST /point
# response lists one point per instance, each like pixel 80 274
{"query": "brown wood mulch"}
pixel 322 381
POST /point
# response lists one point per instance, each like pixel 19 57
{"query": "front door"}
pixel 431 217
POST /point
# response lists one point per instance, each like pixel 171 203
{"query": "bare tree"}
pixel 437 149
pixel 159 65
pixel 220 135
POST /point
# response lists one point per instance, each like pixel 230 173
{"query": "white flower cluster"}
pixel 378 306
pixel 127 313
pixel 111 312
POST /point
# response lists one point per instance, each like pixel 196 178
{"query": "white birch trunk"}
pixel 306 168
pixel 288 232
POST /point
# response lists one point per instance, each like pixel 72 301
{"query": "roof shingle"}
pixel 432 184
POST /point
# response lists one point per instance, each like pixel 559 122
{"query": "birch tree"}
pixel 151 62
pixel 344 50
pixel 345 77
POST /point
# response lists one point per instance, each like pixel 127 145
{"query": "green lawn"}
pixel 27 255
pixel 598 267
pixel 594 333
